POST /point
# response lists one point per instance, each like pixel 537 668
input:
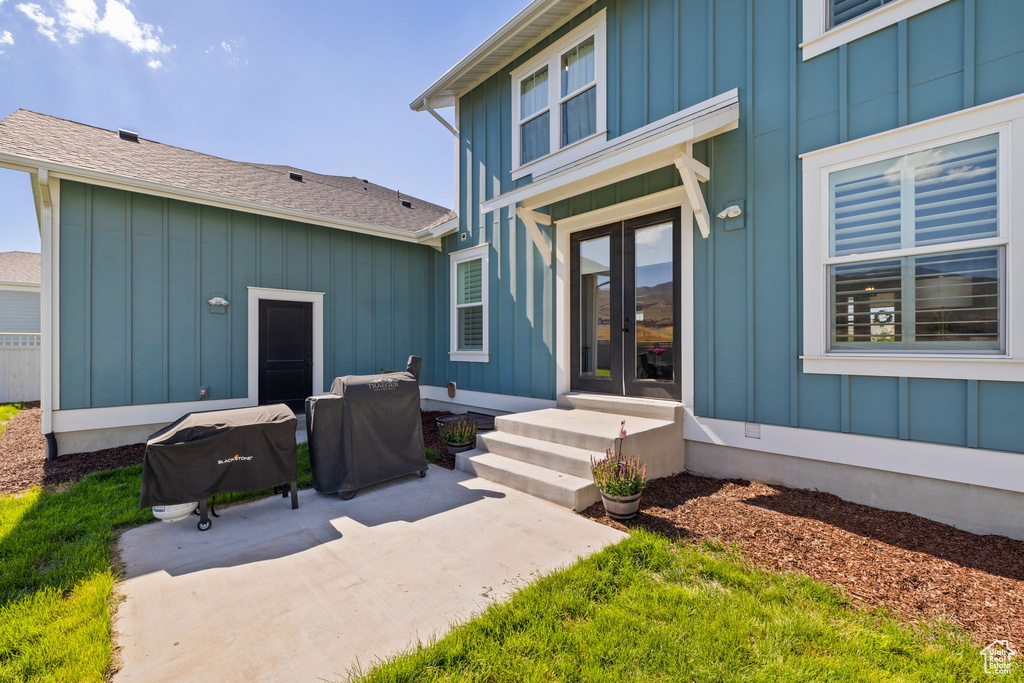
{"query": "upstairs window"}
pixel 558 100
pixel 469 304
pixel 840 11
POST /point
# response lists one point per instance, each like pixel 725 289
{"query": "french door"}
pixel 625 337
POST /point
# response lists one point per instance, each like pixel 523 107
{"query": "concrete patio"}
pixel 271 593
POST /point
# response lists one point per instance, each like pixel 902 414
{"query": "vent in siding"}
pixel 128 135
pixel 295 176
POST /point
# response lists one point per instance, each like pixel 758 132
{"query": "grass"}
pixel 431 455
pixel 57 572
pixel 648 610
pixel 7 411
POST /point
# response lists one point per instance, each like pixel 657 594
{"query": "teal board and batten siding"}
pixel 665 55
pixel 19 311
pixel 136 272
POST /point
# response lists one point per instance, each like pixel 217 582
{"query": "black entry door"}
pixel 286 352
pixel 625 335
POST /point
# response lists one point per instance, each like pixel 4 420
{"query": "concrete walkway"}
pixel 274 594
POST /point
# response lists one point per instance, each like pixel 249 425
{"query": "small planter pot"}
pixel 454 448
pixel 621 507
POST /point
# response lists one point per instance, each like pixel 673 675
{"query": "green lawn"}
pixel 57 574
pixel 648 610
pixel 7 411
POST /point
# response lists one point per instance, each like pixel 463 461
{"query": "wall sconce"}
pixel 731 211
pixel 218 301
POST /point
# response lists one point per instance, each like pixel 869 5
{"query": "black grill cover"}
pixel 367 430
pixel 203 454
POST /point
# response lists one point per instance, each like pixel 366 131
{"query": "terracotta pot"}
pixel 454 448
pixel 621 507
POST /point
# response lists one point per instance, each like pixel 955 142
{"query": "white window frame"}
pixel 818 38
pixel 560 156
pixel 1005 117
pixel 481 252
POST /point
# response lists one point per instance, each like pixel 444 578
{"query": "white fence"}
pixel 19 367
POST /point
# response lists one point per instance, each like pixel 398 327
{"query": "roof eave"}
pixel 441 94
pixel 69 172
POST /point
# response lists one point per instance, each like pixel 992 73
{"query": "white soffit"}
pixel 520 33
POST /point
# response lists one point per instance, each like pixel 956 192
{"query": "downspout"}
pixel 45 214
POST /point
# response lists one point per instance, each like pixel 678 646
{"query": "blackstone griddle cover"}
pixel 367 430
pixel 203 454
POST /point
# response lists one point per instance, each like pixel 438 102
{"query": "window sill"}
pixel 866 24
pixel 563 157
pixel 469 356
pixel 990 368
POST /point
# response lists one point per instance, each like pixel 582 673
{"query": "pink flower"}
pixel 622 430
pixel 658 350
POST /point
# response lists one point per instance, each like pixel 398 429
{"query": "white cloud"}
pixel 79 17
pixel 234 58
pixel 154 64
pixel 44 23
pixel 5 36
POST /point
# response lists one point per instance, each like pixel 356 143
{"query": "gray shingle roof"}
pixel 339 198
pixel 20 266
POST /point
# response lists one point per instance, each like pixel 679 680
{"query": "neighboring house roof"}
pixel 41 139
pixel 522 31
pixel 20 266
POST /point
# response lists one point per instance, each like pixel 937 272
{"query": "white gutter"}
pixel 67 172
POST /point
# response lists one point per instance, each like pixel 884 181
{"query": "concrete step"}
pixel 623 406
pixel 585 429
pixel 552 456
pixel 557 487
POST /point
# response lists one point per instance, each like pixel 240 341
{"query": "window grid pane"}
pixel 579 117
pixel 533 94
pixel 956 192
pixel 578 67
pixel 535 138
pixel 841 11
pixel 470 282
pixel 471 328
pixel 938 302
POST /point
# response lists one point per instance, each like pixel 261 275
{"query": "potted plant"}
pixel 458 436
pixel 620 480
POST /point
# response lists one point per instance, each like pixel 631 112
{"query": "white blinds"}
pixel 469 301
pixel 843 10
pixel 938 196
pixel 470 282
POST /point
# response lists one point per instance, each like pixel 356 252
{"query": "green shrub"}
pixel 432 455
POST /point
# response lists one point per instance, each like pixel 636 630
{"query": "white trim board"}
pixel 20 287
pixel 992 469
pixel 482 399
pixel 672 198
pixel 256 294
pixel 84 419
pixel 819 39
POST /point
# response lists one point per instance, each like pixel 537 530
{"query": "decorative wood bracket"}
pixel 531 219
pixel 693 173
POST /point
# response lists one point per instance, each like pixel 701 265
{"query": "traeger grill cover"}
pixel 367 430
pixel 203 454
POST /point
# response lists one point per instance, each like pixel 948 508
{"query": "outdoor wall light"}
pixel 731 211
pixel 218 301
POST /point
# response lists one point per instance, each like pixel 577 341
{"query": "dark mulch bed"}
pixel 911 565
pixel 432 438
pixel 23 454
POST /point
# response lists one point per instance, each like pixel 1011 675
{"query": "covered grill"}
pixel 367 430
pixel 206 453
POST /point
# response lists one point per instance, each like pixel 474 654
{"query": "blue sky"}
pixel 324 85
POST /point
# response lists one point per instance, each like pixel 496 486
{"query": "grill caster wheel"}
pixel 423 473
pixel 347 495
pixel 203 526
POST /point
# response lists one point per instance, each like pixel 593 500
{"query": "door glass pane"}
pixel 654 310
pixel 595 307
